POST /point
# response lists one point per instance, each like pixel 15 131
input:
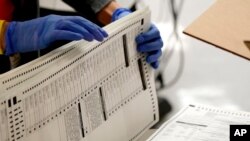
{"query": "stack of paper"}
pixel 200 123
pixel 87 91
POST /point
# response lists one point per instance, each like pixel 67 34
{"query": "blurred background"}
pixel 191 72
pixel 197 72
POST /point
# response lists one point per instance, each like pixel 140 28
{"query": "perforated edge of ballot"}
pixel 84 91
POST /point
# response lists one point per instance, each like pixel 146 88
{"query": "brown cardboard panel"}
pixel 226 25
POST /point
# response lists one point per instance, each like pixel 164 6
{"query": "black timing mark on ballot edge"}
pixel 142 21
pixel 141 74
pixel 239 132
pixel 14 100
pixel 125 48
pixel 9 102
pixel 102 103
pixel 81 122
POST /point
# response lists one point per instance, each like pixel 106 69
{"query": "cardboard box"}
pixel 226 25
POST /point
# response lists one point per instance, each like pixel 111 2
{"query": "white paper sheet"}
pixel 200 123
pixel 86 91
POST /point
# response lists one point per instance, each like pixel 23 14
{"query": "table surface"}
pixel 147 134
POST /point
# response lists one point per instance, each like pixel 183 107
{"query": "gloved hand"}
pixel 41 32
pixel 149 42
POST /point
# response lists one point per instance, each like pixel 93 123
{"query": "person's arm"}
pixel 149 42
pixel 108 11
pixel 105 14
pixel 94 10
pixel 36 34
pixel 3 27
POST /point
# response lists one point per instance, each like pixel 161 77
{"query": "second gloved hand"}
pixel 41 32
pixel 149 42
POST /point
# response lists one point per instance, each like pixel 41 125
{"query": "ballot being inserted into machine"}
pixel 83 91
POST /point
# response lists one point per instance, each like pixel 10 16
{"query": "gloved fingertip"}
pixel 98 35
pixel 78 38
pixel 139 48
pixel 148 59
pixel 151 59
pixel 100 40
pixel 139 39
pixel 119 13
pixel 153 26
pixel 104 33
pixel 155 65
pixel 89 38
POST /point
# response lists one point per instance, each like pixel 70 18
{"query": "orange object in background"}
pixel 6 10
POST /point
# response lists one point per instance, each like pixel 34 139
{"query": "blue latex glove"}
pixel 41 32
pixel 149 42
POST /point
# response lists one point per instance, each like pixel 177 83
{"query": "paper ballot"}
pixel 83 91
pixel 200 123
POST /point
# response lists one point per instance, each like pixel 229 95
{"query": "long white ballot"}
pixel 200 123
pixel 83 91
